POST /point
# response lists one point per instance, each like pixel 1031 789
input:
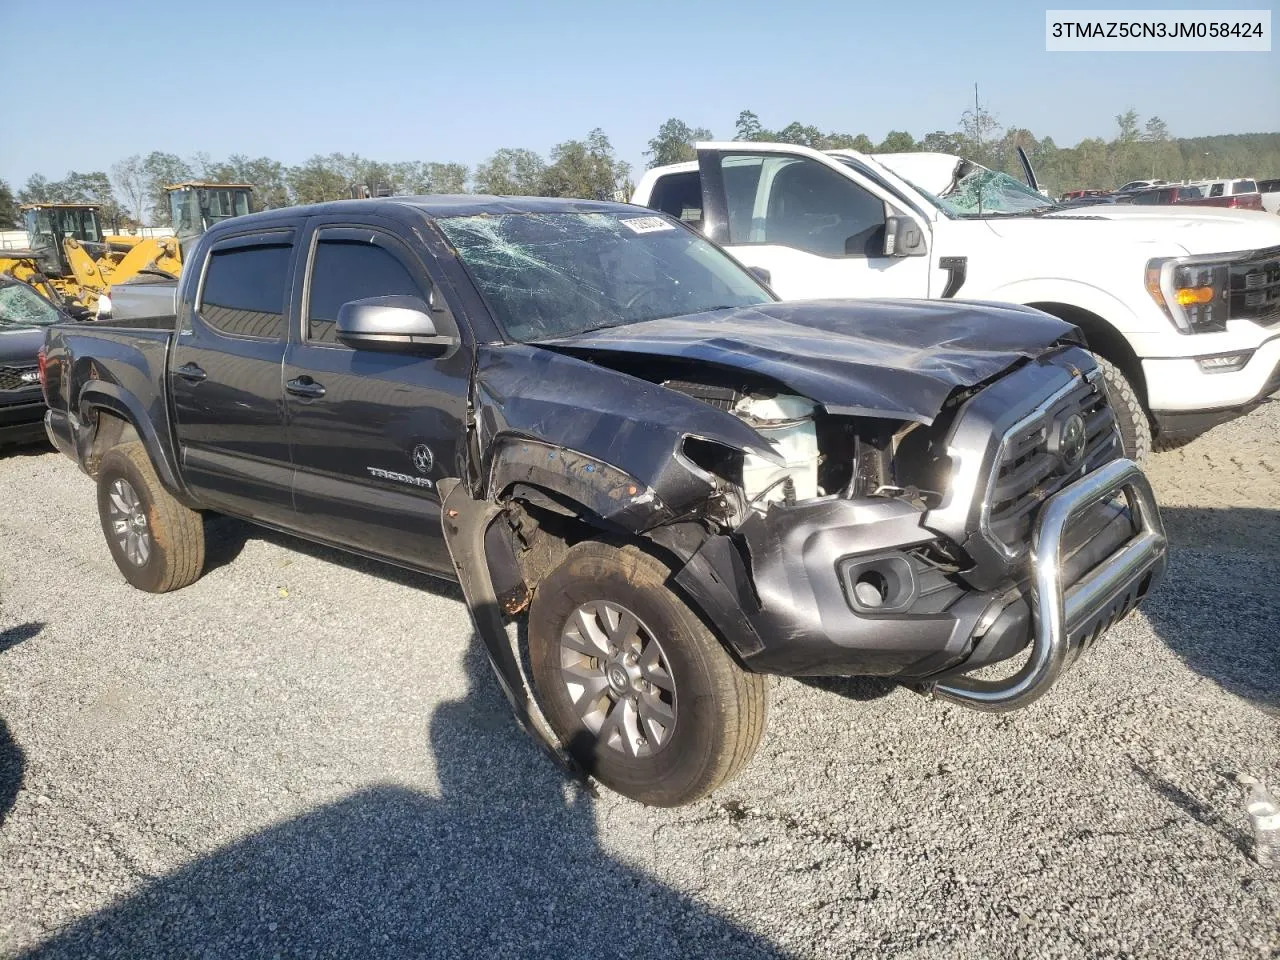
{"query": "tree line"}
pixel 132 190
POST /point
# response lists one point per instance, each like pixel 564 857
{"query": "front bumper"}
pixel 780 590
pixel 22 422
pixel 1068 620
pixel 1178 390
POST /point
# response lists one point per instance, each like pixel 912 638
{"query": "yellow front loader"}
pixel 73 261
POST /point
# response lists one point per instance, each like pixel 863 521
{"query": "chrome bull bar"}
pixel 1058 613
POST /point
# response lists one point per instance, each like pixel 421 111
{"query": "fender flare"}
pixel 603 490
pixel 465 521
pixel 102 395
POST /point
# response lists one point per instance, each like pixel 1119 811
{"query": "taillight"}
pixel 43 361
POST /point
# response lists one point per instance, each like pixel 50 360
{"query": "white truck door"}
pixel 816 225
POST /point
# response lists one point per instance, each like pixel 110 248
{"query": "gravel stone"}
pixel 305 755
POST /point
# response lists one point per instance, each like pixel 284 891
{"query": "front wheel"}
pixel 1135 428
pixel 638 689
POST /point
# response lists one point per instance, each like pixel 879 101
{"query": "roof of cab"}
pixel 436 206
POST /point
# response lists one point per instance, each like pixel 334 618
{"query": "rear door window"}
pixel 1216 190
pixel 246 288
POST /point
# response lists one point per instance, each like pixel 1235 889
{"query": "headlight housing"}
pixel 1193 293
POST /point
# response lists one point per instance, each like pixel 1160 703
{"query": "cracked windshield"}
pixel 22 306
pixel 554 275
pixel 976 191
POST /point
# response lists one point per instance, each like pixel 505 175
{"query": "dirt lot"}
pixel 304 755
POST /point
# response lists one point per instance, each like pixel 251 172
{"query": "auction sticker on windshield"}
pixel 646 224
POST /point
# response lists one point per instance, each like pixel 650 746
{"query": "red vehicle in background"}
pixel 1238 194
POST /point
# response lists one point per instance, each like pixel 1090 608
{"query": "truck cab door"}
pixel 817 225
pixel 372 431
pixel 224 376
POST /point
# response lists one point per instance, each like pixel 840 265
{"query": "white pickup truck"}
pixel 1181 304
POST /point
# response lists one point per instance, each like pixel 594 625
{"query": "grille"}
pixel 11 377
pixel 1031 466
pixel 1255 288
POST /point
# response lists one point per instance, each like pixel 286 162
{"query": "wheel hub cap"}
pixel 618 678
pixel 128 522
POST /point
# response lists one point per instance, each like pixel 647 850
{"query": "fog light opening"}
pixel 1224 363
pixel 871 589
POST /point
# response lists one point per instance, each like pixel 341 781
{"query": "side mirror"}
pixel 389 323
pixel 761 274
pixel 903 238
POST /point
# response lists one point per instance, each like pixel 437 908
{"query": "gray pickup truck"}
pixel 591 416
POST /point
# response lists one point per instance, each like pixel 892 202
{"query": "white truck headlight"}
pixel 1194 295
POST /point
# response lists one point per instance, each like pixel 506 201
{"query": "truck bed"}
pixel 118 366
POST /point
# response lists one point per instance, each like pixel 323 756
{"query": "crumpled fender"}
pixel 609 441
pixel 465 521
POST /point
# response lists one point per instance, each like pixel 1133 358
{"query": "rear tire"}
pixel 642 694
pixel 1135 428
pixel 157 543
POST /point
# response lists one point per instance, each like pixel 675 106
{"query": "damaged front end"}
pixel 815 536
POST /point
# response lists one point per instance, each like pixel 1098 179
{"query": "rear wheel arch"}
pixel 99 401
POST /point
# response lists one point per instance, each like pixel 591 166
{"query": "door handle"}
pixel 191 371
pixel 305 387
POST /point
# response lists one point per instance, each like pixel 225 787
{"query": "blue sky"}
pixel 402 80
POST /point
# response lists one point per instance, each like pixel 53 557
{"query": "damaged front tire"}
pixel 642 694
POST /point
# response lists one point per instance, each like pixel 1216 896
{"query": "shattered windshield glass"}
pixel 554 275
pixel 22 305
pixel 976 191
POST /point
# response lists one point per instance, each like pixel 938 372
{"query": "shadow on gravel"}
pixel 1196 809
pixel 506 862
pixel 13 762
pixel 1219 605
pixel 860 689
pixel 36 447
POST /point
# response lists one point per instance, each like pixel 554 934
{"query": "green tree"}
pixel 266 176
pixel 942 142
pixel 321 178
pixel 897 141
pixel 511 172
pixel 802 134
pixel 36 190
pixel 747 127
pixel 981 129
pixel 161 170
pixel 586 169
pixel 1156 130
pixel 130 181
pixel 8 207
pixel 75 187
pixel 674 143
pixel 1127 123
pixel 848 141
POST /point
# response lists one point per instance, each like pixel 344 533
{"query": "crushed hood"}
pixel 897 359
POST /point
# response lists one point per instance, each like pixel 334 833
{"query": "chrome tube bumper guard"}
pixel 1060 614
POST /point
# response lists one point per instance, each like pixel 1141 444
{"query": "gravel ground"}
pixel 304 755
